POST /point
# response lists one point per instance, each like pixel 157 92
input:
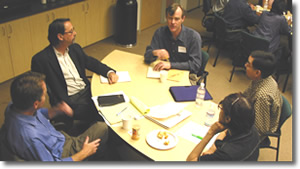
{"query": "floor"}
pixel 217 83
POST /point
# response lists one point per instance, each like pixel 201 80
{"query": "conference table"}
pixel 151 92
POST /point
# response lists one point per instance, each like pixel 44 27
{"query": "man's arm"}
pixel 153 50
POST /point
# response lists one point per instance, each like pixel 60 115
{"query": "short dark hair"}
pixel 173 7
pixel 240 110
pixel 56 27
pixel 265 62
pixel 278 7
pixel 26 89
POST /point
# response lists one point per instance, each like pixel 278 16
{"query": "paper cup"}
pixel 163 76
pixel 127 122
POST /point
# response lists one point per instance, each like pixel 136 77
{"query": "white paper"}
pixel 153 74
pixel 194 128
pixel 123 77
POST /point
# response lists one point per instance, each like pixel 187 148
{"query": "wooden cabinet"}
pixel 39 24
pixel 107 18
pixel 150 13
pixel 6 68
pixel 93 20
pixel 16 37
pixel 22 38
pixel 77 14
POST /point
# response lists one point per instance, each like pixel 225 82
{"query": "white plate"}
pixel 158 143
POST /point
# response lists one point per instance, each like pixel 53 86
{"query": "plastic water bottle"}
pixel 200 95
pixel 209 119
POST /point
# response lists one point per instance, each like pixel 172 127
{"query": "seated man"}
pixel 263 91
pixel 64 63
pixel 175 46
pixel 218 6
pixel 239 15
pixel 272 25
pixel 31 136
pixel 238 139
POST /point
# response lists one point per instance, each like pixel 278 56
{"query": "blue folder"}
pixel 187 93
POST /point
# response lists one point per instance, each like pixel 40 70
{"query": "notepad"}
pixel 123 77
pixel 187 93
pixel 175 75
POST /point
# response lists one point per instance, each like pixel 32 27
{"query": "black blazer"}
pixel 46 62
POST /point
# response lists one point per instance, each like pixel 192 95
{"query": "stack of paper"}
pixel 168 115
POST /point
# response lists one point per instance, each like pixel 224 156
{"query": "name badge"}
pixel 181 49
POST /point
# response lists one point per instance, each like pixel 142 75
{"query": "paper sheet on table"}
pixel 123 77
pixel 175 75
pixel 167 110
pixel 152 74
pixel 193 128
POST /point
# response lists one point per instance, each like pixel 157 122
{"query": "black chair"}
pixel 285 66
pixel 6 153
pixel 223 36
pixel 248 44
pixel 286 112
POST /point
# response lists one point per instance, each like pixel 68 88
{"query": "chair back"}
pixel 249 43
pixel 286 111
pixel 205 57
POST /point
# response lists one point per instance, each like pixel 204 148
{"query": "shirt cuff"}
pixel 109 72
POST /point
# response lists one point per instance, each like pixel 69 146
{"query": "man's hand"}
pixel 162 54
pixel 112 78
pixel 216 128
pixel 90 148
pixel 162 65
pixel 87 150
pixel 61 107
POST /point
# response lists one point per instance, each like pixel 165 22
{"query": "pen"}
pixel 199 137
pixel 121 111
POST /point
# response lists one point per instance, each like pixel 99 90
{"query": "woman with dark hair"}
pixel 272 24
pixel 238 139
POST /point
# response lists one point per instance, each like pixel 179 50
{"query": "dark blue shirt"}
pixel 270 27
pixel 33 138
pixel 185 51
pixel 240 147
pixel 239 14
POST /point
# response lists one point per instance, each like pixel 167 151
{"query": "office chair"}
pixel 285 66
pixel 248 44
pixel 286 112
pixel 202 74
pixel 5 153
pixel 222 36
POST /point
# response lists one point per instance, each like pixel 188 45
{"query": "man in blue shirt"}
pixel 30 135
pixel 175 46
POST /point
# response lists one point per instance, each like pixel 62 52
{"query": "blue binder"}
pixel 187 93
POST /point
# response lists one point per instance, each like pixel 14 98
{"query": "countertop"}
pixel 31 8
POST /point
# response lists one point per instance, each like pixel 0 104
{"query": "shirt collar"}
pixel 57 53
pixel 21 117
pixel 181 34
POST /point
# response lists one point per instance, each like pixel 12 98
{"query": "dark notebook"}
pixel 187 93
pixel 110 100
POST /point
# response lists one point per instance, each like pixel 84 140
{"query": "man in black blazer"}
pixel 64 63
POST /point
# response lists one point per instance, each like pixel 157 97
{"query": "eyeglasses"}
pixel 220 107
pixel 71 31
